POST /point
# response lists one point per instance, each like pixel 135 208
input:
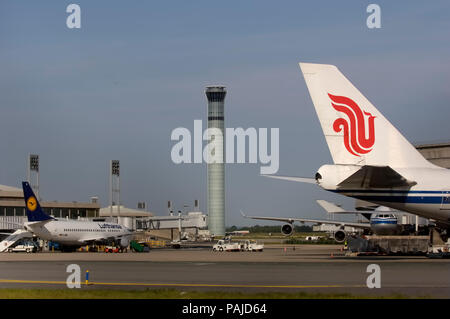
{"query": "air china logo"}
pixel 355 139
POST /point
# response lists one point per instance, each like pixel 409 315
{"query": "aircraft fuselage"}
pixel 76 232
pixel 423 198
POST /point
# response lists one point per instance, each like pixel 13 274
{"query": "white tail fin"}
pixel 330 208
pixel 356 132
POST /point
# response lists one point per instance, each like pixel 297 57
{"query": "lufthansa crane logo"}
pixel 31 204
pixel 355 139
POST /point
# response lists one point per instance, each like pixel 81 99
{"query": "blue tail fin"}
pixel 32 207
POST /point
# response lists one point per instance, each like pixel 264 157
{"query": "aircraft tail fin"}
pixel 355 131
pixel 32 206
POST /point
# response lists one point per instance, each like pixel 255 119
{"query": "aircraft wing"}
pixel 293 178
pixel 95 240
pixel 306 220
pixel 375 177
pixel 99 239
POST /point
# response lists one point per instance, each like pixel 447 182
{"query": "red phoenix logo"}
pixel 355 139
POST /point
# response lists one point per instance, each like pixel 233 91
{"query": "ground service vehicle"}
pixel 28 247
pixel 226 245
pixel 251 245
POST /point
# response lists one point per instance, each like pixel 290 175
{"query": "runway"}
pixel 307 268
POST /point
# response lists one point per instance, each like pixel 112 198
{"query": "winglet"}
pixel 243 215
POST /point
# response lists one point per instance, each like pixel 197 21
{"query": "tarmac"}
pixel 307 268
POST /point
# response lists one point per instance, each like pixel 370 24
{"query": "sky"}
pixel 135 71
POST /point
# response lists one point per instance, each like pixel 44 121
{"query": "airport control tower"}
pixel 216 171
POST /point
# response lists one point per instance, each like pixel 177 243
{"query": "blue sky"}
pixel 116 88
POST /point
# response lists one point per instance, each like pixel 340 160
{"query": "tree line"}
pixel 269 229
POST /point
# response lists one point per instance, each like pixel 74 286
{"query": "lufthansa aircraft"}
pixel 70 233
pixel 372 159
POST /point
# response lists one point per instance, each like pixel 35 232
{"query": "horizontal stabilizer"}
pixel 330 207
pixel 375 177
pixel 293 178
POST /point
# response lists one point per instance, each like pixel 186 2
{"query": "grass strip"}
pixel 12 293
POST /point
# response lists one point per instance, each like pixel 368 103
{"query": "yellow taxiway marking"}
pixel 177 285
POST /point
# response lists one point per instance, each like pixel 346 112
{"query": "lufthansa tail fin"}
pixel 32 206
pixel 355 131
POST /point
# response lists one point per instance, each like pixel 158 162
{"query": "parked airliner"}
pixel 372 159
pixel 70 233
pixel 381 221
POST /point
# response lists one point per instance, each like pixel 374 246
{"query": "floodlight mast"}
pixel 33 166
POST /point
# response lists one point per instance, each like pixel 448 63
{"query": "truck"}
pixel 251 245
pixel 115 249
pixel 226 245
pixel 139 247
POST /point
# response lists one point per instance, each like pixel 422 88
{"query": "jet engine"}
pixel 340 236
pixel 287 229
pixel 124 241
pixel 329 176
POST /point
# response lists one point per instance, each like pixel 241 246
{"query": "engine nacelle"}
pixel 287 229
pixel 340 236
pixel 329 176
pixel 124 242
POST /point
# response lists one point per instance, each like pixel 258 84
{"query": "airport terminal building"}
pixel 12 208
